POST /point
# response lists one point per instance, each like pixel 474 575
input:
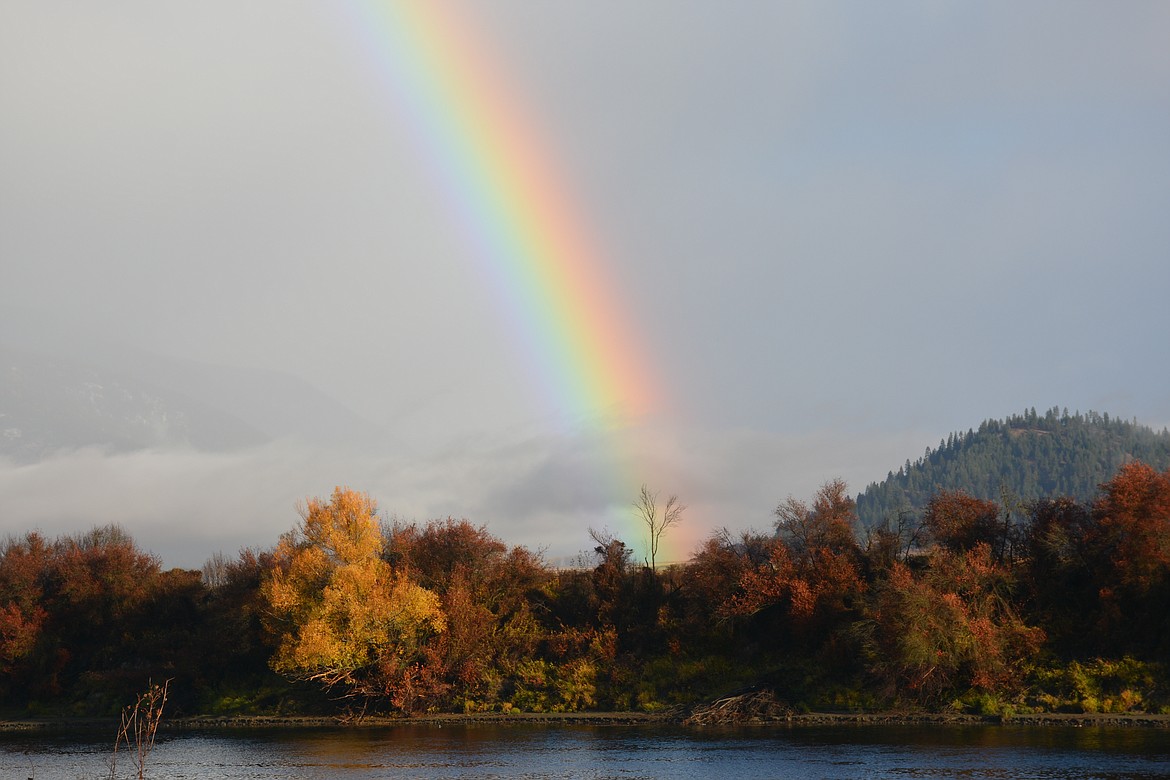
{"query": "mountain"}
pixel 50 403
pixel 1025 457
pixel 279 405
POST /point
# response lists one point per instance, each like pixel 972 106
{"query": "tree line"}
pixel 1056 604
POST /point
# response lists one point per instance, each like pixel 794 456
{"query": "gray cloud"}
pixel 840 231
pixel 185 505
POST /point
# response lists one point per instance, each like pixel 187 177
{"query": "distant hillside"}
pixel 1029 455
pixel 51 404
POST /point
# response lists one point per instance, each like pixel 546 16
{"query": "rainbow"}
pixel 514 210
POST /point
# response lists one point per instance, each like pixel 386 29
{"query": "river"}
pixel 604 752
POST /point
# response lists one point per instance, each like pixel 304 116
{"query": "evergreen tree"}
pixel 1034 456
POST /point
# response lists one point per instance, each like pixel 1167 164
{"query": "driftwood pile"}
pixel 757 706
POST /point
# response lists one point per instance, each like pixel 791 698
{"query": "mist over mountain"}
pixel 277 404
pixel 50 403
pixel 1023 457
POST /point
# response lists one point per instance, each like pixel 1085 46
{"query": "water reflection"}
pixel 627 752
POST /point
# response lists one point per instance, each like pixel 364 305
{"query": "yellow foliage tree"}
pixel 343 617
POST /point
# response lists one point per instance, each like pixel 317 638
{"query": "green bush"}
pixel 977 702
pixel 1100 685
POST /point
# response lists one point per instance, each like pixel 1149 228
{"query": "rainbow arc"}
pixel 517 215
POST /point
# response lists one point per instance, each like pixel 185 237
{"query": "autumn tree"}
pixel 75 616
pixel 953 627
pixel 959 521
pixel 657 520
pixel 1133 515
pixel 485 590
pixel 713 578
pixel 814 593
pixel 826 525
pixel 1131 547
pixel 812 575
pixel 342 616
pixel 22 609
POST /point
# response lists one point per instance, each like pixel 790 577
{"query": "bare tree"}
pixel 647 509
pixel 215 570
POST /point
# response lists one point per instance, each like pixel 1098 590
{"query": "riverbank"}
pixel 246 722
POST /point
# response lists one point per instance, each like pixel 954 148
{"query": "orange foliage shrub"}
pixel 343 617
pixel 958 521
pixel 951 628
pixel 1133 525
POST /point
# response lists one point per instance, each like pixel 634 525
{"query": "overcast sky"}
pixel 837 232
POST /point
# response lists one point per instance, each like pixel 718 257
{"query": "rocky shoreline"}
pixel 790 719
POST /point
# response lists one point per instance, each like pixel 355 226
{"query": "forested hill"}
pixel 1024 457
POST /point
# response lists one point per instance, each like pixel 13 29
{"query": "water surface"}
pixel 602 752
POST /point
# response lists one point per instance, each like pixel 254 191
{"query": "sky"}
pixel 818 238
